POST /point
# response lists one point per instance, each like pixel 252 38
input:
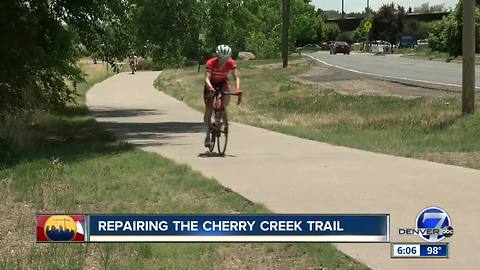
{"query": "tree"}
pixel 346 36
pixel 446 35
pixel 388 23
pixel 256 25
pixel 39 48
pixel 331 31
pixel 307 27
pixel 170 29
pixel 244 25
pixel 417 29
pixel 356 14
pixel 331 14
pixel 264 33
pixel 426 8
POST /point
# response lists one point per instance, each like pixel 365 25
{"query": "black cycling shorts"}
pixel 222 86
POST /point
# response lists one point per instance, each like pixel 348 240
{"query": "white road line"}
pixel 385 76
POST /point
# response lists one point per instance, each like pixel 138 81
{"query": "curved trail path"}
pixel 292 175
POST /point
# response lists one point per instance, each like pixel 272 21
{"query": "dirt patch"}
pixel 17 229
pixel 256 257
pixel 349 83
pixel 470 160
pixel 92 260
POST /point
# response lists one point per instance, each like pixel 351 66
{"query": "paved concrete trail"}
pixel 293 175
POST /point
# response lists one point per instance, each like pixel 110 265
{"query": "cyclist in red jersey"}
pixel 216 78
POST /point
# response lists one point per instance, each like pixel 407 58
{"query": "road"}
pixel 421 72
pixel 292 175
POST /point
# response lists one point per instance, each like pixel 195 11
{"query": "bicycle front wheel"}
pixel 222 138
pixel 213 138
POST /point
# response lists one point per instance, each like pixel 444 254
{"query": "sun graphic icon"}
pixel 60 228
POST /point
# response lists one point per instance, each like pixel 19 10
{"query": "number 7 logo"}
pixel 440 218
pixel 432 218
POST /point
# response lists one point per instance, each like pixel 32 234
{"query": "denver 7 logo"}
pixel 437 220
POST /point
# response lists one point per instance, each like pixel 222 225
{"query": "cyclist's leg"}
pixel 226 88
pixel 207 114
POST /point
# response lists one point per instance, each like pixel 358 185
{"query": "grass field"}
pixel 430 128
pixel 89 171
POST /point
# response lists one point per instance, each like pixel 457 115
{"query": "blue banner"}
pixel 240 228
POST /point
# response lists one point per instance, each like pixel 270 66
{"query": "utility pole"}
pixel 286 25
pixel 368 18
pixel 343 15
pixel 468 53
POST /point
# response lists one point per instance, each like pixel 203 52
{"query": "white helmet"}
pixel 223 51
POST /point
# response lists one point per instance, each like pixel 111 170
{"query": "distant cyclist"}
pixel 216 78
pixel 133 61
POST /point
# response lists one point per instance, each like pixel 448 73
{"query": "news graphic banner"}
pixel 214 228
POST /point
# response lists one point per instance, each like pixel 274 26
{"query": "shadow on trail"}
pixel 214 155
pixel 140 133
pixel 152 134
pixel 106 112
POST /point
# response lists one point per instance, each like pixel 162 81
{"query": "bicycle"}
pixel 219 128
pixel 133 65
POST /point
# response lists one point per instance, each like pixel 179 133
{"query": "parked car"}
pixel 406 42
pixel 422 43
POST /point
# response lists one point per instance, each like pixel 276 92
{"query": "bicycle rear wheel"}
pixel 222 138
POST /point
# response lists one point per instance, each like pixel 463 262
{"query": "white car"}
pixel 422 43
pixel 383 45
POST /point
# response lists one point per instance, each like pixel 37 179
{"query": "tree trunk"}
pixel 468 39
pixel 286 25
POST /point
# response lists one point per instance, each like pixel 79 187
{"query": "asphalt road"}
pixel 293 175
pixel 394 67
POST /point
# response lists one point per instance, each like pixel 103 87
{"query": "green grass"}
pixel 413 127
pixel 93 172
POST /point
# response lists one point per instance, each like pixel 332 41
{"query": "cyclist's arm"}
pixel 208 76
pixel 236 76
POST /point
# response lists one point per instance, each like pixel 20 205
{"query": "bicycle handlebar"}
pixel 220 92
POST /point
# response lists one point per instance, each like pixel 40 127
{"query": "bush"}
pixel 145 64
pixel 446 35
pixel 7 153
pixel 346 36
pixel 263 46
pixel 331 31
pixel 418 29
pixel 162 57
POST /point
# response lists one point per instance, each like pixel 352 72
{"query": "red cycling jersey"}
pixel 219 74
